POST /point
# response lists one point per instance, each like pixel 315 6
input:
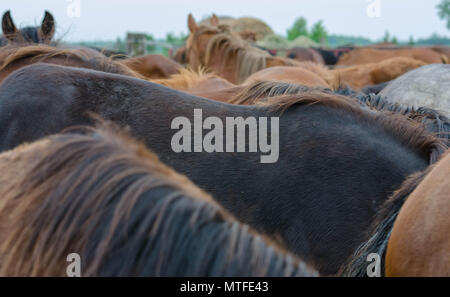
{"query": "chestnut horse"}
pixel 302 54
pixel 296 75
pixel 13 57
pixel 152 66
pixel 360 76
pixel 133 217
pixel 42 34
pixel 360 56
pixel 327 142
pixel 225 53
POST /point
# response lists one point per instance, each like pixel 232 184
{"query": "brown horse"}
pixel 303 54
pixel 107 198
pixel 42 34
pixel 419 244
pixel 360 76
pixel 192 81
pixel 295 75
pixel 13 57
pixel 360 56
pixel 225 53
pixel 152 66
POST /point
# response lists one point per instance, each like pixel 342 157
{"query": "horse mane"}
pixel 249 59
pixel 411 133
pixel 106 197
pixel 89 58
pixel 381 228
pixel 432 120
pixel 260 90
pixel 185 79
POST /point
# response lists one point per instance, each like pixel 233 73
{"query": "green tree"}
pixel 444 11
pixel 298 29
pixel 411 40
pixel 387 37
pixel 319 33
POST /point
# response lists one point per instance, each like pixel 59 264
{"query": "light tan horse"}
pixel 360 56
pixel 359 76
pixel 225 53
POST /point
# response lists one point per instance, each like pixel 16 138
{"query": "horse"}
pixel 302 54
pixel 152 66
pixel 191 81
pixel 296 75
pixel 434 121
pixel 409 232
pixel 327 142
pixel 43 34
pixel 360 56
pixel 219 50
pixel 134 217
pixel 360 76
pixel 181 56
pixel 419 244
pixel 425 86
pixel 13 57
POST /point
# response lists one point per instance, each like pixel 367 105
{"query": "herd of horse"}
pixel 88 168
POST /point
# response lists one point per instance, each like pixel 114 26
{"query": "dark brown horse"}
pixel 337 161
pixel 104 196
pixel 42 34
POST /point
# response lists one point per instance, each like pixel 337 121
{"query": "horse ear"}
pixel 47 29
pixel 192 24
pixel 8 27
pixel 214 21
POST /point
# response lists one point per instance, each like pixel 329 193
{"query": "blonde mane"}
pixel 249 58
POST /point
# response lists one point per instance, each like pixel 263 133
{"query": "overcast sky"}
pixel 108 19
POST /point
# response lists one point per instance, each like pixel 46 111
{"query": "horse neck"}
pixel 228 70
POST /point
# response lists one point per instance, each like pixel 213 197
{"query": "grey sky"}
pixel 108 19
